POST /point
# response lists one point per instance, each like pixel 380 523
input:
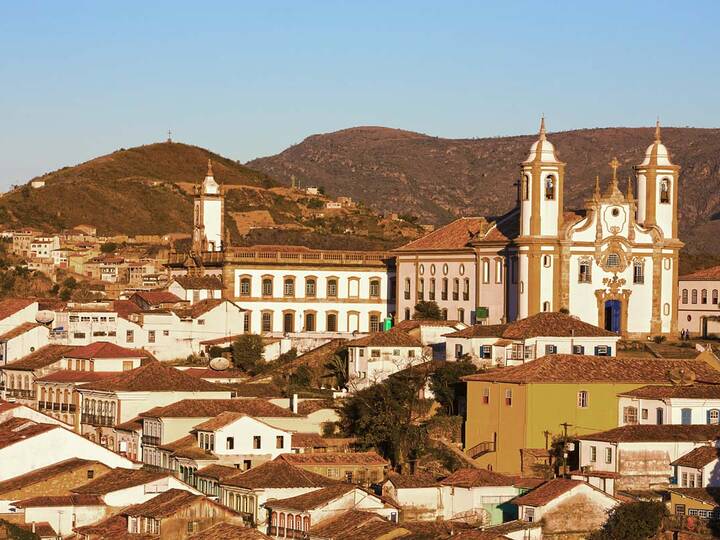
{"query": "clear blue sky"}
pixel 247 79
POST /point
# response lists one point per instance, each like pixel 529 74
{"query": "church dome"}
pixel 542 150
pixel 657 152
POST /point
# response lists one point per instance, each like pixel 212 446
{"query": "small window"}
pixel 578 349
pixel 332 288
pixel 289 287
pixel 151 336
pixel 230 443
pixel 310 288
pixel 550 188
pixel 550 349
pixel 431 293
pixel 638 272
pixel 375 353
pixel 524 187
pixel 713 416
pixel 485 271
pixel 608 455
pixel 331 323
pixel 461 315
pixel 374 322
pixel 375 288
pixel 486 396
pixel 613 260
pixel 90 474
pixel 486 352
pixel 644 414
pixel 593 454
pixel 703 296
pixel 280 441
pixel 130 336
pixel 508 397
pixel 715 296
pixel 267 321
pixel 694 296
pixel 444 289
pixel 630 415
pixel 582 399
pixel 458 350
pixel 584 271
pixel 665 191
pixel 408 288
pixel 498 271
pixel 546 306
pixel 267 287
pixel 257 442
pixel 245 287
pixel 547 261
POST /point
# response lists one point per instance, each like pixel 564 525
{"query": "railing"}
pixel 20 393
pixel 53 406
pixel 151 440
pixel 481 449
pixel 282 532
pixel 97 420
pixel 309 256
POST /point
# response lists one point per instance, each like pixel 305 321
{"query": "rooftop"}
pixel 333 458
pixel 166 504
pixel 313 499
pixel 73 376
pixel 278 475
pixel 391 338
pixel 412 324
pixel 657 433
pixel 200 308
pixel 549 324
pixel 20 429
pixel 117 479
pixel 455 235
pixel 199 282
pixel 228 531
pixel 469 478
pixel 201 408
pixel 693 391
pixel 409 481
pixel 18 331
pixel 209 373
pixel 43 357
pixel 60 500
pixel 156 298
pixel 698 457
pixel 706 274
pixel 103 349
pixel 220 421
pixel 573 368
pixel 221 473
pixel 354 525
pixel 547 492
pixel 707 495
pixel 10 306
pixel 153 376
pixel 44 474
pixel 307 440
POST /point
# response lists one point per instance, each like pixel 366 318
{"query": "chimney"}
pixel 33 527
pixel 294 403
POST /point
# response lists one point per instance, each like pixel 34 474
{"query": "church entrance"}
pixel 612 315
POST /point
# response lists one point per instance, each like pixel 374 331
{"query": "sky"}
pixel 248 79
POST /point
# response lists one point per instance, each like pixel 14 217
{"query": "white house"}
pixel 375 357
pixel 677 404
pixel 420 496
pixel 22 340
pixel 63 512
pixel 193 289
pixel 16 311
pixel 699 468
pixel 528 339
pixel 478 494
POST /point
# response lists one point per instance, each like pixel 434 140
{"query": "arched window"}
pixel 461 315
pixel 498 271
pixel 685 296
pixel 444 289
pixel 715 296
pixel 694 296
pixel 713 416
pixel 298 523
pixel 310 287
pixel 245 286
pixel 374 288
pixel 524 187
pixel 407 288
pixel 309 321
pixel 485 271
pixel 421 289
pixel 456 289
pixel 332 288
pixel 289 287
pixel 638 272
pixel 273 518
pixel 306 523
pixel 703 296
pixel 374 322
pixel 466 289
pixel 665 191
pixel 331 322
pixel 267 287
pixel 288 321
pixel 547 261
pixel 550 188
pixel 444 314
pixel 431 293
pixel 290 521
pixel 546 306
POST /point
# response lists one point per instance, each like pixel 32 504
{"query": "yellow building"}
pixel 514 411
pixel 701 503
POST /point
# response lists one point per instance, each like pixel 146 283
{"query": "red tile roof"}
pixel 20 429
pixel 125 308
pixel 410 481
pixel 657 433
pixel 19 330
pixel 199 282
pixel 550 324
pixel 152 377
pixel 412 324
pixel 455 235
pixel 709 495
pixel 698 457
pixel 60 500
pixel 72 376
pixel 572 368
pixel 134 424
pixel 117 479
pixel 221 473
pixel 331 459
pixel 706 274
pixel 352 524
pixel 469 478
pixel 209 373
pixel 278 474
pixel 228 531
pixel 44 474
pixel 309 406
pixel 223 419
pixel 112 528
pixel 10 306
pixel 307 440
pixel 156 298
pixel 104 349
pixel 693 391
pixel 199 408
pixel 313 499
pixel 547 492
pixel 221 340
pixel 165 504
pixel 43 357
pixel 392 338
pixel 202 307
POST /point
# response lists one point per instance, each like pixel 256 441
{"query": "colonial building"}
pixel 613 264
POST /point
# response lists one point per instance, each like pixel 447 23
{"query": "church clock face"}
pixel 614 218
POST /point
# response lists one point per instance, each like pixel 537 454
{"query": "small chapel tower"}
pixel 657 189
pixel 209 221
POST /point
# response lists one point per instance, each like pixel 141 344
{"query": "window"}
pixel 498 271
pixel 257 442
pixel 644 414
pixel 246 321
pixel 151 336
pixel 680 509
pixel 593 454
pixel 309 321
pixel 407 314
pixel 686 416
pixel 578 349
pixel 421 289
pixel 629 415
pixel 310 288
pixel 456 289
pixel 374 288
pixel 529 514
pixel 524 187
pixel 613 260
pixel 279 441
pixel 332 288
pixel 192 526
pixel 584 271
pixel 694 296
pixel 486 396
pixel 466 289
pixel 407 289
pixel 267 287
pixel 485 271
pixel 486 352
pixel 508 397
pixel 444 290
pixel 289 321
pixel 461 315
pixel 547 261
pixel 684 296
pixel 127 365
pixel 201 322
pixel 703 296
pixel 166 333
pixel 444 314
pixel 374 322
pixel 546 306
pixel 90 474
pixel 550 349
pixel 608 455
pixel 684 479
pixel 331 322
pixel 266 321
pixel 665 191
pixel 458 350
pixel 713 416
pixel 230 443
pixel 431 293
pixel 289 287
pixel 602 350
pixel 130 336
pixel 550 188
pixel 638 272
pixel 715 296
pixel 582 399
pixel 375 353
pixel 245 287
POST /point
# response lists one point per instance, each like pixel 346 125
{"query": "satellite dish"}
pixel 45 316
pixel 219 363
pixel 681 376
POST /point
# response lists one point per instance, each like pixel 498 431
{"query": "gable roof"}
pixel 455 235
pixel 469 478
pixel 413 324
pixel 692 391
pixel 307 440
pixel 198 282
pixel 73 376
pixel 200 408
pixel 60 500
pixel 353 524
pixel 547 492
pixel 44 474
pixel 221 473
pixel 20 429
pixel 333 458
pixel 410 481
pixel 166 504
pixel 657 433
pixel 572 368
pixel 198 309
pixel 10 306
pixel 313 499
pixel 550 324
pixel 19 330
pixel 117 479
pixel 706 274
pixel 43 357
pixel 698 457
pixel 391 338
pixel 223 419
pixel 103 349
pixel 278 475
pixel 229 531
pixel 155 298
pixel 153 376
pixel 708 495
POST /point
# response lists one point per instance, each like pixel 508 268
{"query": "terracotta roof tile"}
pixel 199 282
pixel 412 324
pixel 72 376
pixel 693 391
pixel 43 357
pixel 309 406
pixel 479 331
pixel 112 528
pixel 455 235
pixel 333 458
pixel 221 473
pixel 209 373
pixel 125 308
pixel 549 324
pixel 44 474
pixel 42 529
pixel 60 500
pixel 657 433
pixel 221 420
pixel 134 424
pixel 357 525
pixel 10 306
pixel 409 481
pixel 392 338
pixel 313 499
pixel 547 492
pixel 103 349
pixel 709 495
pixel 573 368
pixel 468 478
pixel 156 298
pixel 165 504
pixel 19 330
pixel 153 376
pixel 117 479
pixel 199 408
pixel 221 340
pixel 228 531
pixel 20 429
pixel 278 474
pixel 706 274
pixel 308 440
pixel 698 457
pixel 180 444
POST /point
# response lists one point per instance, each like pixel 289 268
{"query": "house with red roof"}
pixel 373 358
pixel 699 302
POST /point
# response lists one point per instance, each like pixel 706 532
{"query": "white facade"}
pixel 208 231
pixel 245 436
pixel 141 493
pixel 370 365
pixel 16 345
pixel 64 518
pixel 596 497
pixel 632 410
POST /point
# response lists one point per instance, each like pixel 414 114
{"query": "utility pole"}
pixel 547 439
pixel 565 427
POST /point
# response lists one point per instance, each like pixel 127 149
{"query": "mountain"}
pixel 438 179
pixel 148 190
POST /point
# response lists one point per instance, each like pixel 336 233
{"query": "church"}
pixel 613 264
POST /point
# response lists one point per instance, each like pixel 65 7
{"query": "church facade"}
pixel 613 264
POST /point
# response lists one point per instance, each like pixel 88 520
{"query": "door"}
pixel 289 322
pixel 659 417
pixel 612 315
pixel 686 416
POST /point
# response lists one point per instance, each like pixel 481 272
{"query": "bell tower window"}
pixel 524 187
pixel 550 188
pixel 665 191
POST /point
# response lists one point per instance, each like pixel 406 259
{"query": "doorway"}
pixel 612 315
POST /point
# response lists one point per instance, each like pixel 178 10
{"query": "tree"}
pixel 444 382
pixel 109 247
pixel 632 521
pixel 427 310
pixel 338 369
pixel 247 352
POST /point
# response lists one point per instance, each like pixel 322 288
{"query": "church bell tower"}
pixel 209 215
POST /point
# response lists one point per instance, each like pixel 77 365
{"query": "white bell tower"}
pixel 209 215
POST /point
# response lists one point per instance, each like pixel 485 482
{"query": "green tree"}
pixel 70 283
pixel 247 352
pixel 109 247
pixel 445 382
pixel 632 521
pixel 338 369
pixel 301 377
pixel 427 310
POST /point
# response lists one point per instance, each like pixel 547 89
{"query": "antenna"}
pixel 169 139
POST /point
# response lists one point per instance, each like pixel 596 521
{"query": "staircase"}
pixel 480 449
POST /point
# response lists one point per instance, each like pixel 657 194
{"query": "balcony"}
pixel 52 406
pixel 150 440
pixel 97 420
pixel 20 394
pixel 282 532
